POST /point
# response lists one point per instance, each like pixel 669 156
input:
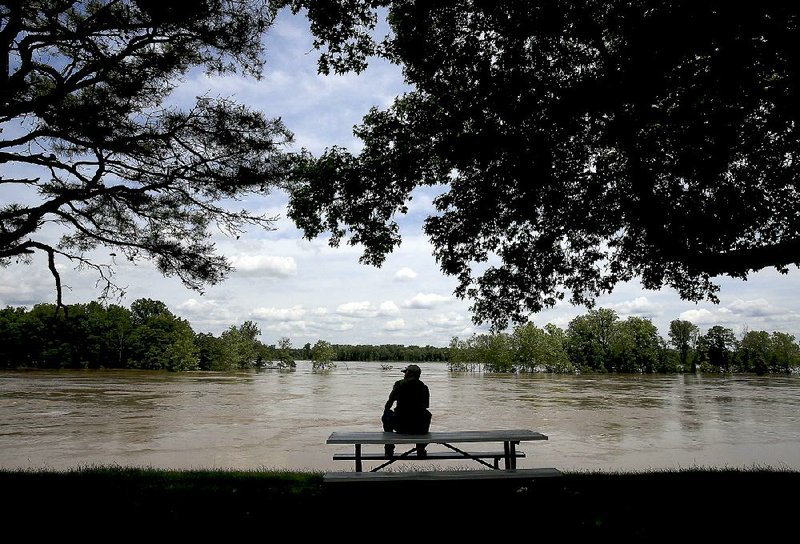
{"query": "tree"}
pixel 540 348
pixel 285 357
pixel 717 347
pixel 51 344
pixel 785 352
pixel 240 346
pixel 754 352
pixel 159 340
pixel 179 352
pixel 106 330
pixel 683 337
pixel 588 340
pixel 459 355
pixel 580 143
pixel 493 351
pixel 90 143
pixel 143 309
pixel 15 347
pixel 635 345
pixel 322 355
pixel 210 352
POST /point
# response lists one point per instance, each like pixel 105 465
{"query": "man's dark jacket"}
pixel 411 416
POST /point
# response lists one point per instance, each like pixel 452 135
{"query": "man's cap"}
pixel 413 370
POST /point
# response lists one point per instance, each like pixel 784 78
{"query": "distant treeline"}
pixel 389 352
pixel 600 341
pixel 148 336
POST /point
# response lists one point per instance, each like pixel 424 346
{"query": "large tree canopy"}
pixel 579 144
pixel 90 141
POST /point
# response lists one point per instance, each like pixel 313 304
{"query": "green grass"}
pixel 647 505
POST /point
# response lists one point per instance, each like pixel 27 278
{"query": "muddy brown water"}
pixel 280 419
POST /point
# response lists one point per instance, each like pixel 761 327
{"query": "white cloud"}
pixel 405 274
pixel 26 286
pixel 295 313
pixel 194 306
pixel 706 317
pixel 757 312
pixel 395 325
pixel 208 318
pixel 421 204
pixel 450 320
pixel 319 311
pixel 264 265
pixel 388 308
pixel 753 308
pixel 357 309
pixel 334 323
pixel 208 311
pixel 290 327
pixel 639 306
pixel 561 321
pixel 425 301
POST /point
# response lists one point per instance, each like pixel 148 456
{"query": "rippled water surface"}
pixel 280 419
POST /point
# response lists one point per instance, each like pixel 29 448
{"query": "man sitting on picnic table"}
pixel 411 416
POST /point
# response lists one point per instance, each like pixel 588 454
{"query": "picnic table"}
pixel 509 439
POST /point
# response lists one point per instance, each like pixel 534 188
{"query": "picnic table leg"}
pixel 358 457
pixel 512 454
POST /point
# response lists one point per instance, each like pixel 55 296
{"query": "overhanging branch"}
pixel 51 264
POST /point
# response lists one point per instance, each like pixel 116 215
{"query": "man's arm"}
pixel 388 405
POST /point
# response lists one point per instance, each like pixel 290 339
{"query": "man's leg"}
pixel 424 428
pixel 388 427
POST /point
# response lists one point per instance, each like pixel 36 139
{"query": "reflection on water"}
pixel 64 419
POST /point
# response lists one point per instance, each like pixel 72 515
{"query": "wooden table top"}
pixel 493 435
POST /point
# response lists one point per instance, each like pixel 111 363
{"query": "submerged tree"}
pixel 322 355
pixel 241 346
pixel 536 348
pixel 284 354
pixel 581 143
pixel 589 340
pixel 635 345
pixel 754 352
pixel 683 337
pixel 785 352
pixel 460 357
pixel 159 340
pixel 91 143
pixel 717 348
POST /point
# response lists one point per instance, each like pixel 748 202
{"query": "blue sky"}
pixel 308 291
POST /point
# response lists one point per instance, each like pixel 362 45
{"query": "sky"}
pixel 307 291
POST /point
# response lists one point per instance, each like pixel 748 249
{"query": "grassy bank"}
pixel 691 504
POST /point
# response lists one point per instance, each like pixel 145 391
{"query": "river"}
pixel 280 419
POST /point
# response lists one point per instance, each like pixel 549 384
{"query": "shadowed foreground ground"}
pixel 690 505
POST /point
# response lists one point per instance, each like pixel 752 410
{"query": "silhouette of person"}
pixel 411 416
